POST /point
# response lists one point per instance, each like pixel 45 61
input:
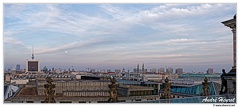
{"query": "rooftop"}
pixel 28 91
pixel 136 88
pixel 227 98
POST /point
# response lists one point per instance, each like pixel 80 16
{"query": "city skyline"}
pixel 116 36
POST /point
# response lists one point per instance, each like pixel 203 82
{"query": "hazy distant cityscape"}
pixel 119 53
pixel 152 70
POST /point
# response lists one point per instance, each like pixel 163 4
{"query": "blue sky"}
pixel 116 36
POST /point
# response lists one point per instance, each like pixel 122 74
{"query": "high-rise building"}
pixel 161 70
pixel 210 71
pixel 153 70
pixel 18 67
pixel 179 71
pixel 169 70
pixel 143 70
pixel 138 72
pixel 92 70
pixel 118 70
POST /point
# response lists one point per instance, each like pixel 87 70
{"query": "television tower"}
pixel 138 72
pixel 32 54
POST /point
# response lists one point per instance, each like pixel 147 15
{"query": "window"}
pixel 29 101
pixel 65 102
pixel 82 102
pixel 102 102
pixel 138 100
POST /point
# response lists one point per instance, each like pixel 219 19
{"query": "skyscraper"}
pixel 161 70
pixel 179 71
pixel 143 70
pixel 17 67
pixel 210 71
pixel 169 70
pixel 138 72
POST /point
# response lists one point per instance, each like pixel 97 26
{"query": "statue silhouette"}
pixel 224 83
pixel 113 90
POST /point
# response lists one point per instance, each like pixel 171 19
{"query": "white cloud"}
pixel 175 42
pixel 52 18
pixel 13 41
pixel 64 47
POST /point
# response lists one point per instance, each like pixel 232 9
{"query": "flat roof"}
pixel 136 88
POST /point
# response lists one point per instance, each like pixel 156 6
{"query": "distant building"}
pixel 161 70
pixel 92 70
pixel 210 71
pixel 102 70
pixel 153 70
pixel 18 67
pixel 13 69
pixel 143 69
pixel 135 70
pixel 123 70
pixel 53 69
pixel 118 70
pixel 45 69
pixel 179 71
pixel 169 70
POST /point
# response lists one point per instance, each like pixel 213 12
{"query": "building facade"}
pixel 210 71
pixel 179 71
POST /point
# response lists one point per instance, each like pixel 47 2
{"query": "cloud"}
pixel 44 50
pixel 53 18
pixel 10 40
pixel 185 41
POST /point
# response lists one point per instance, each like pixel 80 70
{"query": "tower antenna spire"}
pixel 32 54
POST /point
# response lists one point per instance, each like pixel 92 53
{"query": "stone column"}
pixel 231 75
pixel 234 45
pixel 232 24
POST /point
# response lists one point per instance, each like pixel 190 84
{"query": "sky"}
pixel 116 36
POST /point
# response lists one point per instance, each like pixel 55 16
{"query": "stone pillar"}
pixel 234 45
pixel 232 24
pixel 231 75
